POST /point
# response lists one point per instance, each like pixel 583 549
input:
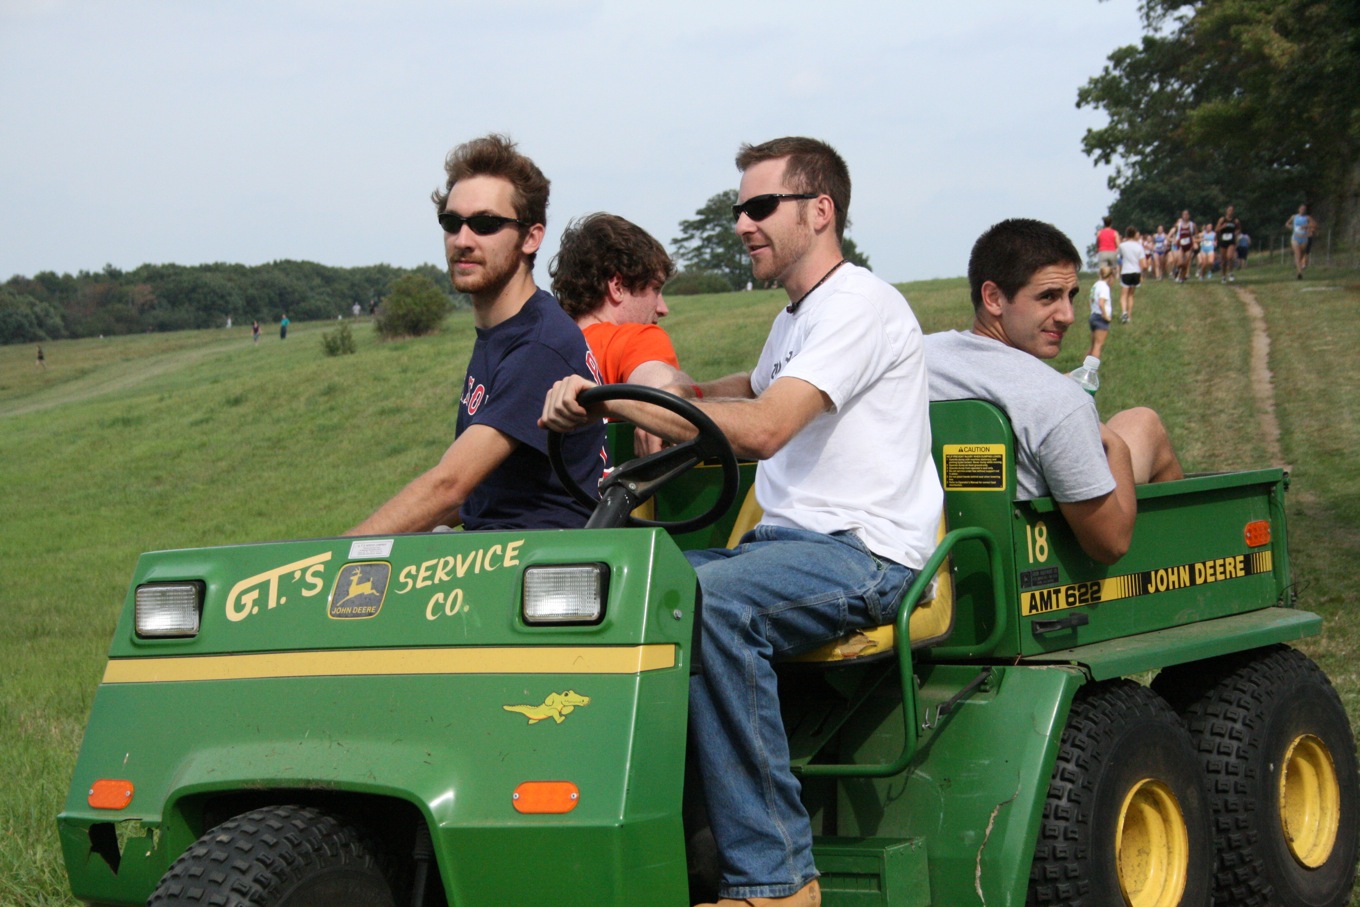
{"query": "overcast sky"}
pixel 196 131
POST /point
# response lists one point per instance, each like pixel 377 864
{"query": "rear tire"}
pixel 279 856
pixel 1126 820
pixel 1277 749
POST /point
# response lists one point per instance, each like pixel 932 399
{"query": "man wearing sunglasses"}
pixel 835 411
pixel 496 475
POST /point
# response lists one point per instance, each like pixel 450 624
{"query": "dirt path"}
pixel 1262 385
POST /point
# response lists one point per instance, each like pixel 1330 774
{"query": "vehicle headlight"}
pixel 168 609
pixel 571 594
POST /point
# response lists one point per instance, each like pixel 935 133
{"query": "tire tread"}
pixel 250 858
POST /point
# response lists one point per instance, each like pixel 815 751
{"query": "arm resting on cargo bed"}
pixel 1139 451
pixel 1104 525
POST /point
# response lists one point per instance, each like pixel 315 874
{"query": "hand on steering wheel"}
pixel 637 480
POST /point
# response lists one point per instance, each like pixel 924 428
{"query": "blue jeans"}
pixel 779 592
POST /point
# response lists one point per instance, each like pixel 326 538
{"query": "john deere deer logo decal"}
pixel 359 590
pixel 557 706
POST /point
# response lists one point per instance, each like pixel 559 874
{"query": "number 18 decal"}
pixel 1036 539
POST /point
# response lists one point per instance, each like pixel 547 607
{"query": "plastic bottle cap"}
pixel 1092 363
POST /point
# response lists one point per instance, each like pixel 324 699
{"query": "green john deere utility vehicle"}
pixel 499 719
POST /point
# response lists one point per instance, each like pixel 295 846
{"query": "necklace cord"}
pixel 793 306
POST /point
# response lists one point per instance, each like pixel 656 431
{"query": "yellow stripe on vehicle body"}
pixel 397 662
pixel 1146 582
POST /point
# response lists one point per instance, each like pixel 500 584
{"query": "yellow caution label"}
pixel 1148 582
pixel 975 467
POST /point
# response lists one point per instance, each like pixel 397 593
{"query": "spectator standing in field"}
pixel 493 208
pixel 1301 238
pixel 1183 236
pixel 1107 245
pixel 1228 229
pixel 283 327
pixel 1243 249
pixel 1101 313
pixel 1022 275
pixel 255 331
pixel 1207 245
pixel 1130 272
pixel 42 359
pixel 846 525
pixel 1160 243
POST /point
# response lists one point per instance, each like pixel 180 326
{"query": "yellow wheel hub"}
pixel 1152 846
pixel 1310 801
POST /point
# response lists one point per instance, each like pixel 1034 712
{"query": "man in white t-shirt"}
pixel 836 412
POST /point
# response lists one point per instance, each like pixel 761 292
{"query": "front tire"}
pixel 1126 820
pixel 1277 749
pixel 279 856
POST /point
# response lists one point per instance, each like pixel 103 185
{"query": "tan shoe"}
pixel 810 895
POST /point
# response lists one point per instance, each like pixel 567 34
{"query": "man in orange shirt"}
pixel 608 274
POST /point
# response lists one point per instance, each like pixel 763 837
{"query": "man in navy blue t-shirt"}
pixel 496 474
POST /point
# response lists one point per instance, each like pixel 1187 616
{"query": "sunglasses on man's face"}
pixel 481 224
pixel 762 206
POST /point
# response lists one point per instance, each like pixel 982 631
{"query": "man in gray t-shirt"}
pixel 1023 278
pixel 1058 450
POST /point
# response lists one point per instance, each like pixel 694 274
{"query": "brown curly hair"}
pixel 596 247
pixel 497 155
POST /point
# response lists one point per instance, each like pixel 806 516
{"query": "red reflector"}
pixel 546 797
pixel 1258 533
pixel 110 794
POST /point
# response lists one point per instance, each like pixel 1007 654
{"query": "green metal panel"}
pixel 445 744
pixel 973 449
pixel 1190 559
pixel 1190 642
pixel 441 589
pixel 976 790
pixel 873 872
pixel 451 725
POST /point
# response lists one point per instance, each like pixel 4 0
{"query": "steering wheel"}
pixel 629 485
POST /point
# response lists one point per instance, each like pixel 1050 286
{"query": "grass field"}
pixel 200 438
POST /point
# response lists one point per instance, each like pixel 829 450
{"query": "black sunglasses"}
pixel 481 224
pixel 762 206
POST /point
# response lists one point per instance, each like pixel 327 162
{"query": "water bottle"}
pixel 1088 376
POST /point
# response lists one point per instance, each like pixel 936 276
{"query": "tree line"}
pixel 1244 102
pixel 169 297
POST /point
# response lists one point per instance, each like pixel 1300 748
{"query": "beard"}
pixel 781 256
pixel 489 280
pixel 784 250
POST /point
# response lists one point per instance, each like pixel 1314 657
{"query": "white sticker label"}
pixel 370 548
